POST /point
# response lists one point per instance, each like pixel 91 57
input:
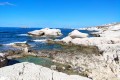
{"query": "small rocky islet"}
pixel 80 58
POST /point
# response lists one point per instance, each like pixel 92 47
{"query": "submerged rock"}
pixel 23 45
pixel 1 45
pixel 30 71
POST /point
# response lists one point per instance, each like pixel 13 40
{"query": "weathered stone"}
pixel 30 71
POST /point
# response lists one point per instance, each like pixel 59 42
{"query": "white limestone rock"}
pixel 109 33
pixel 78 34
pixel 110 30
pixel 30 71
pixel 115 27
pixel 67 39
pixel 90 29
pixel 46 32
pixel 4 78
pixel 94 41
pixel 110 51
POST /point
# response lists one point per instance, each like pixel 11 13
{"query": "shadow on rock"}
pixel 12 61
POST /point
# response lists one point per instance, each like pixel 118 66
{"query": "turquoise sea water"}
pixel 46 62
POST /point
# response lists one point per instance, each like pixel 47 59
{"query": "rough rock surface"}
pixel 106 65
pixel 103 66
pixel 94 41
pixel 46 32
pixel 3 60
pixel 110 30
pixel 30 71
pixel 92 65
pixel 110 33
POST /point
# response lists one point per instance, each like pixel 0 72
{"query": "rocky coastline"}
pixel 96 58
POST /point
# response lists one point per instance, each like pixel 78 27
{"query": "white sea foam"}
pixel 23 35
pixel 14 43
pixel 44 40
pixel 40 40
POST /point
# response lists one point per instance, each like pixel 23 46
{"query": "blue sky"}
pixel 58 13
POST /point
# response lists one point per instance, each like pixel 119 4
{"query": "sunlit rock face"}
pixel 67 39
pixel 112 31
pixel 46 32
pixel 115 27
pixel 30 71
pixel 3 60
pixel 94 41
pixel 74 34
pixel 77 34
pixel 108 30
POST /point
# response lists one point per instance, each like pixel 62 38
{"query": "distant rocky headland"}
pixel 82 57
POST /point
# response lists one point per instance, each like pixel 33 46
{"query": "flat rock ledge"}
pixel 30 71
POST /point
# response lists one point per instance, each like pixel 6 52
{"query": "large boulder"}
pixel 67 39
pixel 78 34
pixel 3 60
pixel 30 71
pixel 46 32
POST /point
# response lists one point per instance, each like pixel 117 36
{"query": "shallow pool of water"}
pixel 46 62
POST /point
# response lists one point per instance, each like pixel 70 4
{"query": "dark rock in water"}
pixel 50 41
pixel 95 35
pixel 21 45
pixel 3 60
pixel 1 45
